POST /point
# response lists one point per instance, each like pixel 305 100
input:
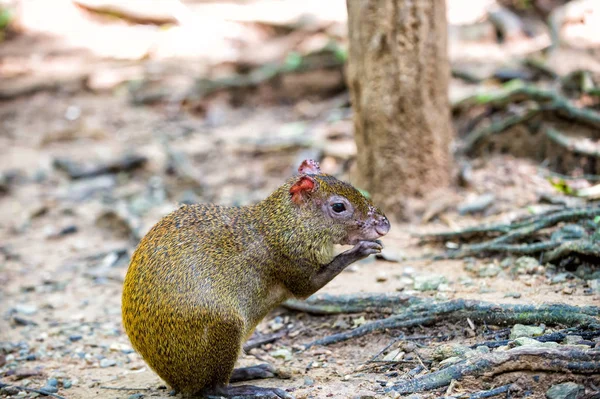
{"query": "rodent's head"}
pixel 351 216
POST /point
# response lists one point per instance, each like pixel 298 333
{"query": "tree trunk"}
pixel 398 77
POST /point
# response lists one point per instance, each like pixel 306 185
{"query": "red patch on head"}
pixel 309 167
pixel 303 186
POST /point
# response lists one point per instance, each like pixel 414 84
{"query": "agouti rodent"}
pixel 205 275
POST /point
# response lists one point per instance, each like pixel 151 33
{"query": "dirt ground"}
pixel 65 243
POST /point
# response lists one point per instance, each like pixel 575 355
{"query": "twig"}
pixel 249 345
pixel 125 388
pixel 565 360
pixel 26 389
pixel 392 342
pixel 478 311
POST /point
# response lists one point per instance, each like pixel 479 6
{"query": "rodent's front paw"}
pixel 366 248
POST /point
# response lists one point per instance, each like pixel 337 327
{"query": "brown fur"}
pixel 205 275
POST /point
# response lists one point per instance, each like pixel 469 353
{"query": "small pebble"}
pixel 282 353
pixel 75 337
pixel 136 396
pixel 67 384
pixel 512 295
pixel 107 362
pixel 26 309
pixel 559 278
pixel 568 290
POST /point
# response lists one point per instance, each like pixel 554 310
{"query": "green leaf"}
pixel 5 17
pixel 292 61
pixel 561 186
pixel 365 193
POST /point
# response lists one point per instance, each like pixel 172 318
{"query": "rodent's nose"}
pixel 382 225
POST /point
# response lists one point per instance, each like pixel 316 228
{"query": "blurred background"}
pixel 112 113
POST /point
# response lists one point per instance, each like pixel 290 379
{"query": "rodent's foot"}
pixel 248 392
pixel 365 248
pixel 253 373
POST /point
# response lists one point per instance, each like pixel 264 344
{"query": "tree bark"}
pixel 398 76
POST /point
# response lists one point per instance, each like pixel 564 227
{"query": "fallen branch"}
pixel 484 312
pixel 559 360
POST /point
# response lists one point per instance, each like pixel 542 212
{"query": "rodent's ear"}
pixel 303 186
pixel 309 167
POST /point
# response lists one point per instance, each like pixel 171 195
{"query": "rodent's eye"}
pixel 338 207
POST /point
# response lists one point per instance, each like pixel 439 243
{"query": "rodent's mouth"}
pixel 382 230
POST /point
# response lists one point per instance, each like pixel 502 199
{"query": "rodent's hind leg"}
pixel 257 372
pixel 246 392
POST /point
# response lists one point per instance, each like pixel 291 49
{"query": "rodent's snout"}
pixel 382 225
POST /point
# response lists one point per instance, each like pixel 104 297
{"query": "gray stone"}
pixel 449 350
pixel 512 295
pixel 477 204
pixel 396 354
pixel 489 270
pixel 26 309
pixel 282 353
pixel 559 278
pixel 107 362
pixel 567 390
pixel 526 341
pixel 520 330
pixel 572 339
pixel 526 265
pixel 136 396
pixel 429 282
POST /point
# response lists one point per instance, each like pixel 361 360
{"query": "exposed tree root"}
pixel 428 312
pixel 557 336
pixel 558 360
pixel 492 392
pixel 544 100
pixel 577 146
pixel 569 239
pixel 323 304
